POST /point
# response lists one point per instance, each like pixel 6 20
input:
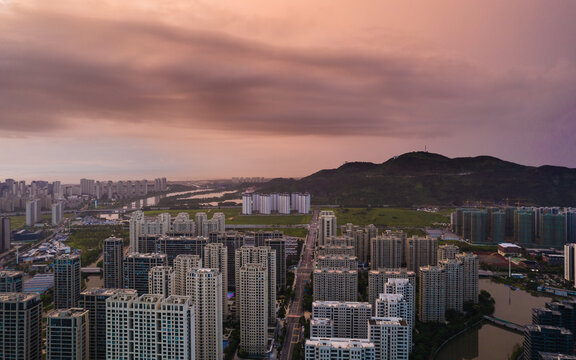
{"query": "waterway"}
pixel 489 342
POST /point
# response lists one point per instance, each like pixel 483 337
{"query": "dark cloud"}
pixel 58 71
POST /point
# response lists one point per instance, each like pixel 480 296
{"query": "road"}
pixel 302 274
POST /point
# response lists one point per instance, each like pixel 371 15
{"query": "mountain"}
pixel 420 178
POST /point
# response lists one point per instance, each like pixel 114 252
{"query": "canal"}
pixel 489 342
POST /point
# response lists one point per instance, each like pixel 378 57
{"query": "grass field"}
pixel 89 240
pixel 234 217
pixel 389 217
pixel 17 222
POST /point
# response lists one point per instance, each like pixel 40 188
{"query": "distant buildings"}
pixel 21 319
pixel 388 250
pixel 57 213
pixel 421 251
pixel 32 212
pixel 282 203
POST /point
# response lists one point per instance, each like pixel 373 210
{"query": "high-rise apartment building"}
pixel 57 213
pixel 150 327
pixel 336 250
pixel 67 334
pixel 432 294
pixel 348 319
pixel 327 226
pixel 343 262
pixel 160 280
pixel 173 246
pixel 388 250
pixel 470 267
pixel 552 230
pixel 67 281
pixel 392 305
pixel 204 286
pixel 5 234
pixel 232 240
pixel 11 281
pixel 335 285
pixel 216 257
pixel 543 338
pixel 447 252
pixel 266 256
pixel 392 338
pixel 278 245
pixel 94 300
pixel 421 251
pixel 113 263
pixel 362 240
pixel 32 212
pixel 524 227
pixel 183 225
pixel 407 290
pixel 339 349
pixel 183 265
pixel 136 269
pixel 21 319
pixel 253 286
pixel 378 280
pixel 570 262
pixel 454 284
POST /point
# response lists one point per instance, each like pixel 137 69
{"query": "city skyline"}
pixel 197 90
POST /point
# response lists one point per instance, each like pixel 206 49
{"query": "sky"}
pixel 198 89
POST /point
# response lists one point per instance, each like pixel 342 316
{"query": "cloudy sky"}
pixel 193 89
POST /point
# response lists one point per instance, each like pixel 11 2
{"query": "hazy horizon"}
pixel 139 89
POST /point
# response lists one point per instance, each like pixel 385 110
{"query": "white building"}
pixel 432 294
pixel 183 265
pixel 387 250
pixel 335 285
pixel 253 305
pixel 246 204
pixel 392 338
pixel 32 212
pixel 570 262
pixel 348 319
pixel 215 256
pixel 266 256
pixel 204 286
pixel 160 280
pixel 67 334
pixel 327 226
pixel 150 327
pixel 405 288
pixel 57 213
pixel 339 349
pixel 378 279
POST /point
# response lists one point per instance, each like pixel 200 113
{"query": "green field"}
pixel 89 240
pixel 389 217
pixel 17 222
pixel 234 217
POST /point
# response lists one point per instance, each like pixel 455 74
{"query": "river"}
pixel 489 342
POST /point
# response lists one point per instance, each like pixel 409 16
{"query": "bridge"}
pixel 504 323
